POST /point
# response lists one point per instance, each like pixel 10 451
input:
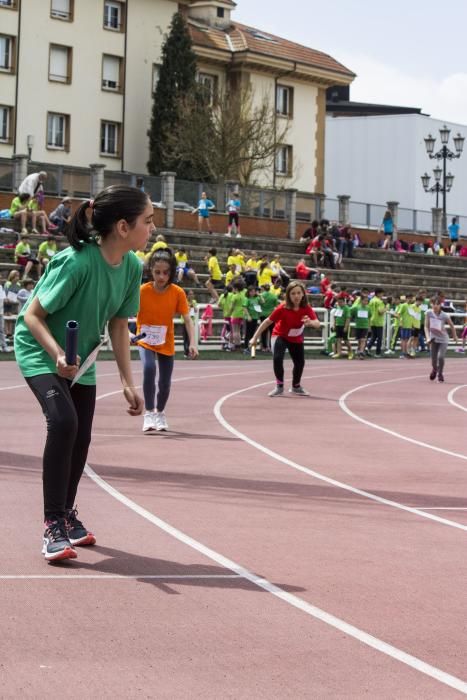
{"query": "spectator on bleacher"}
pixel 278 271
pixel 184 269
pixel 342 326
pixel 216 277
pixel 331 257
pixel 231 274
pixel 236 313
pixel 25 257
pixel 47 250
pixel 33 183
pixel 61 216
pixel 25 292
pixel 39 215
pixel 388 228
pixel 310 233
pixel 251 269
pixel 233 208
pixel 314 249
pixel 265 273
pixel 276 288
pixel 345 245
pixel 204 207
pixel 325 282
pixel 19 210
pixel 453 230
pixel 303 272
pixel 160 243
pixel 330 295
pixel 236 257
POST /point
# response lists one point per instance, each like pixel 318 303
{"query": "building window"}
pixel 156 73
pixel 12 4
pixel 209 83
pixel 111 73
pixel 284 101
pixel 62 9
pixel 6 53
pixel 110 139
pixel 220 12
pixel 113 16
pixel 5 124
pixel 60 64
pixel 284 161
pixel 58 127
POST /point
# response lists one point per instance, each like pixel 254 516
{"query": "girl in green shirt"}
pixel 95 281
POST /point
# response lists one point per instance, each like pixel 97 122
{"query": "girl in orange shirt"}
pixel 160 301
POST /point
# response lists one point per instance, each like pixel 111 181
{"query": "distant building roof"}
pixel 239 38
pixel 338 104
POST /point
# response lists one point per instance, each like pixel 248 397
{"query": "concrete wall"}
pixel 381 158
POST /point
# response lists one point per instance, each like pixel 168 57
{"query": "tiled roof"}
pixel 239 37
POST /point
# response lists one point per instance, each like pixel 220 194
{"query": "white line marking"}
pixel 118 577
pixel 14 386
pixel 442 508
pixel 419 443
pixel 318 475
pixel 451 397
pixel 335 622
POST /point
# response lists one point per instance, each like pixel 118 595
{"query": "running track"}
pixel 288 548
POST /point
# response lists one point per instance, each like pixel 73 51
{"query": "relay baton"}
pixel 135 338
pixel 253 350
pixel 71 342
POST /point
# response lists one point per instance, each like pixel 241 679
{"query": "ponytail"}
pixel 113 204
pixel 79 230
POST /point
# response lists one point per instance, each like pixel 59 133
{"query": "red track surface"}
pixel 150 613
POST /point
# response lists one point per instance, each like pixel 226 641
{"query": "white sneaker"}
pixel 149 422
pixel 389 352
pixel 161 421
pixel 227 235
pixel 238 235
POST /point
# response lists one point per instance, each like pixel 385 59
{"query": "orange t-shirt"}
pixel 156 314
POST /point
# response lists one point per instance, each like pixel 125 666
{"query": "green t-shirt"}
pixel 415 312
pixel 22 249
pixel 377 312
pixel 79 286
pixel 269 301
pixel 404 315
pixel 16 205
pixel 253 307
pixel 341 315
pixel 237 305
pixel 361 315
pixel 47 249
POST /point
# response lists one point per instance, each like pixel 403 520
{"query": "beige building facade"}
pixel 77 79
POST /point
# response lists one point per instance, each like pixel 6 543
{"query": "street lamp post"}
pixel 443 180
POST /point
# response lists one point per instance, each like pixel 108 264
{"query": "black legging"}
pixel 68 412
pixel 250 327
pixel 297 353
pixel 376 336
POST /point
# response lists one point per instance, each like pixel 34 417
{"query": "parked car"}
pixel 177 205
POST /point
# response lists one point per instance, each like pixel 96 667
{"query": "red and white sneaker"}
pixel 56 544
pixel 78 535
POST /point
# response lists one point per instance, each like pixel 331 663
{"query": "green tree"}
pixel 177 78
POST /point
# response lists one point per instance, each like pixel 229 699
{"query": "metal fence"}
pixel 262 202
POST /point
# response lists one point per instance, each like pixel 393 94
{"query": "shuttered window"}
pixel 111 66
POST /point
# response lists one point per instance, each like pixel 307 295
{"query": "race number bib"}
pixel 12 296
pixel 295 332
pixel 257 308
pixel 362 313
pixel 339 313
pixel 436 325
pixel 155 335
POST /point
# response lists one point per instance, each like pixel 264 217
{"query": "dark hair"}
pixel 111 205
pixel 164 255
pixel 24 196
pixel 379 290
pixel 251 288
pixel 238 284
pixel 290 287
pixel 212 251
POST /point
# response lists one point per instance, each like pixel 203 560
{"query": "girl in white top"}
pixel 437 337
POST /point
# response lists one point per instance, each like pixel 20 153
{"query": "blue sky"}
pixel 405 52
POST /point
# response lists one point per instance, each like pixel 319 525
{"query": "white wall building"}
pixel 77 79
pixel 376 159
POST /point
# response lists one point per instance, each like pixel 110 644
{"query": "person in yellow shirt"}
pixel 231 274
pixel 251 268
pixel 216 278
pixel 184 269
pixel 47 250
pixel 265 273
pixel 160 243
pixel 276 289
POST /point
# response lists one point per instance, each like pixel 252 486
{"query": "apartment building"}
pixel 77 79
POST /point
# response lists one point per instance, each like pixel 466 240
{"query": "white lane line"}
pixel 119 577
pixel 451 397
pixel 393 433
pixel 311 610
pixel 14 386
pixel 318 475
pixel 442 508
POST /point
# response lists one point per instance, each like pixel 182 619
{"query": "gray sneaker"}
pixel 298 390
pixel 277 391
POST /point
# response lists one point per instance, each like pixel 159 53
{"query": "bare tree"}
pixel 235 138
